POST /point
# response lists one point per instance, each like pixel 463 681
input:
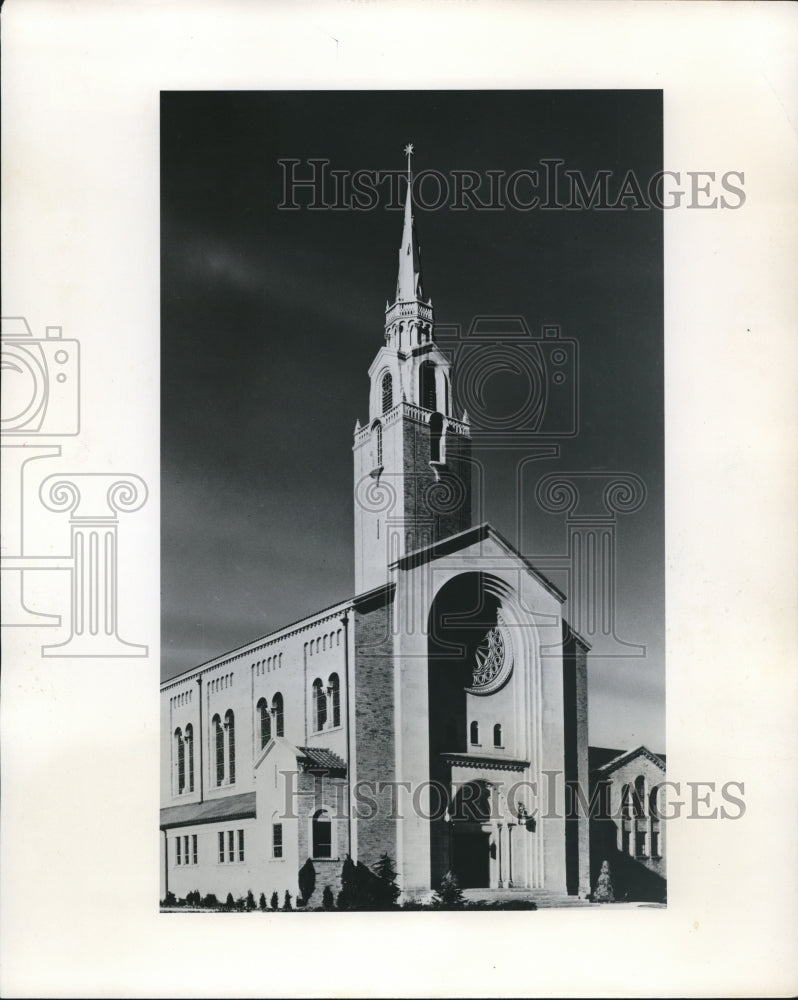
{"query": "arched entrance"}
pixel 471 835
pixel 469 655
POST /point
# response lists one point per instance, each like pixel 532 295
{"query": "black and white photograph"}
pixel 398 498
pixel 475 717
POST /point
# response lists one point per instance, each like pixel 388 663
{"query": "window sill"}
pixel 326 860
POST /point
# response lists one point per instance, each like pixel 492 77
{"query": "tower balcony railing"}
pixel 413 412
pixel 413 308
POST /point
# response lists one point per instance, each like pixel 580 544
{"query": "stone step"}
pixel 543 898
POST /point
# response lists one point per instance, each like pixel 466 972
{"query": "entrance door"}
pixel 472 858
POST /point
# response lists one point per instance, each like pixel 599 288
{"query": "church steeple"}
pixel 409 321
pixel 412 457
pixel 408 284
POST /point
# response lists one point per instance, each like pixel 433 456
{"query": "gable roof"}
pixel 621 758
pixel 454 543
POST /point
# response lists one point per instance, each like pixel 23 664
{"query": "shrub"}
pixel 274 902
pixel 361 889
pixel 449 894
pixel 327 900
pixel 193 898
pixel 170 899
pixel 307 881
pixel 210 900
pixel 250 902
pixel 262 902
pixel 387 889
pixel 230 902
pixel 287 901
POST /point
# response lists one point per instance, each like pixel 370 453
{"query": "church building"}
pixel 437 715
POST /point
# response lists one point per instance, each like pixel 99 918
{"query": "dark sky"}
pixel 271 318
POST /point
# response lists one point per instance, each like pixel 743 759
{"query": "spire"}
pixel 408 285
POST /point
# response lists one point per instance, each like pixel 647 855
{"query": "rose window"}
pixel 493 661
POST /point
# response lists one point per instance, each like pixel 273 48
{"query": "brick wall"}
pixel 373 722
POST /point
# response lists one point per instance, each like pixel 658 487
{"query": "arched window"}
pixel 376 440
pixel 230 726
pixel 180 751
pixel 387 392
pixel 265 722
pixel 497 735
pixel 474 733
pixel 189 738
pixel 445 381
pixel 277 711
pixel 435 435
pixel 335 699
pixel 322 835
pixel 216 722
pixel 427 393
pixel 319 705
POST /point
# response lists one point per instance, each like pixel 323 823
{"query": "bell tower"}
pixel 412 459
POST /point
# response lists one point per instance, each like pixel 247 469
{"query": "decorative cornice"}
pixel 484 761
pixel 628 757
pixel 332 611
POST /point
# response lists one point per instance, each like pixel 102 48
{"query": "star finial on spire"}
pixel 409 150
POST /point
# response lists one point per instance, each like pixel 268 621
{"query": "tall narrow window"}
pixel 626 802
pixel 193 848
pixel 427 385
pixel 180 749
pixel 265 722
pixel 277 709
pixel 177 851
pixel 240 845
pixel 219 734
pixel 497 735
pixel 185 849
pixel 230 726
pixel 335 699
pixel 445 382
pixel 319 705
pixel 221 847
pixel 376 433
pixel 451 734
pixel 277 840
pixel 435 436
pixel 231 846
pixel 387 392
pixel 190 756
pixel 474 733
pixel 322 835
pixel 639 796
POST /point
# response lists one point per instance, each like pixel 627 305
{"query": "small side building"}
pixel 626 825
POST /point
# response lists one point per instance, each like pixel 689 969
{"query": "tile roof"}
pixel 320 757
pixel 211 811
